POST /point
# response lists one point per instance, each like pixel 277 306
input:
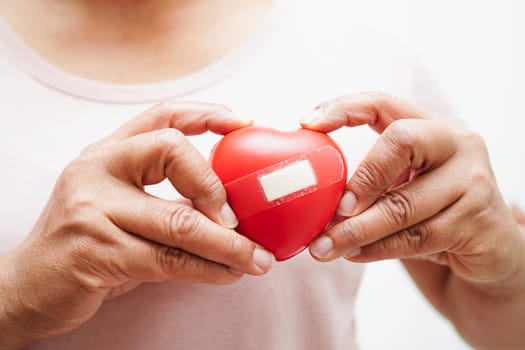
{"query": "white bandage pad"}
pixel 290 179
pixel 285 181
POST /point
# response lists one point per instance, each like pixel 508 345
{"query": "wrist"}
pixel 489 315
pixel 512 282
pixel 12 334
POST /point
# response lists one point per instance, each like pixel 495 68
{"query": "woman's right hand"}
pixel 101 234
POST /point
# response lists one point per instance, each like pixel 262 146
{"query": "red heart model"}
pixel 284 187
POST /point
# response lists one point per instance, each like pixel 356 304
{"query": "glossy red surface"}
pixel 284 227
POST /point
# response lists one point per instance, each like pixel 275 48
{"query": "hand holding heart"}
pixel 101 235
pixel 451 211
pixel 448 221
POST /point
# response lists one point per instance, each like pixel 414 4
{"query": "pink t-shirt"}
pixel 303 53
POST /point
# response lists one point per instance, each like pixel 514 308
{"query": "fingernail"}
pixel 263 259
pixel 228 217
pixel 322 247
pixel 347 204
pixel 313 116
pixel 353 253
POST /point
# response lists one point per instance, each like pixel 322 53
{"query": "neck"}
pixel 130 15
pixel 92 38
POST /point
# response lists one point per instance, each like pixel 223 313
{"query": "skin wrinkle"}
pixel 385 106
pixel 70 250
pixel 370 257
pixel 468 213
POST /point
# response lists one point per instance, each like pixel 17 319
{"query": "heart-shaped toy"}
pixel 284 187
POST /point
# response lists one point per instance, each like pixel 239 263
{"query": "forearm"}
pixel 488 316
pixel 492 316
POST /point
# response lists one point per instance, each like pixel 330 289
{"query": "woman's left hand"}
pixel 425 190
pixel 426 194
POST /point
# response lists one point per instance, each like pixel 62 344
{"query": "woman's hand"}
pixel 426 191
pixel 101 235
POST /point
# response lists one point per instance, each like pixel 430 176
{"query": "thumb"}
pixel 376 109
pixel 191 118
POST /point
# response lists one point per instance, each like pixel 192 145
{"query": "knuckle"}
pixel 368 177
pixel 76 200
pixel 350 232
pixel 385 246
pixel 236 245
pixel 415 237
pixel 71 173
pixel 91 265
pixel 169 138
pixel 171 144
pixel 182 223
pixel 397 207
pixel 474 147
pixel 382 101
pixel 401 136
pixel 81 203
pixel 481 180
pixel 474 140
pixel 212 185
pixel 482 188
pixel 481 215
pixel 177 264
pixel 80 223
pixel 74 174
pixel 76 207
pixel 170 261
pixel 89 282
pixel 165 107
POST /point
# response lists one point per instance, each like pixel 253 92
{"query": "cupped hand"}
pixel 425 190
pixel 101 234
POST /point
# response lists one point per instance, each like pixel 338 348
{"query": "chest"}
pixel 41 129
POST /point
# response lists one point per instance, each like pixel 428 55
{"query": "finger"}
pixel 190 118
pixel 151 157
pixel 180 226
pixel 427 240
pixel 406 145
pixel 150 262
pixel 132 258
pixel 103 258
pixel 376 109
pixel 466 237
pixel 394 211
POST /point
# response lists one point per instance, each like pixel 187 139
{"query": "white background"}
pixel 476 50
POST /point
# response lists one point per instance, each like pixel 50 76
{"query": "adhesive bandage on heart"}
pixel 290 179
pixel 285 181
